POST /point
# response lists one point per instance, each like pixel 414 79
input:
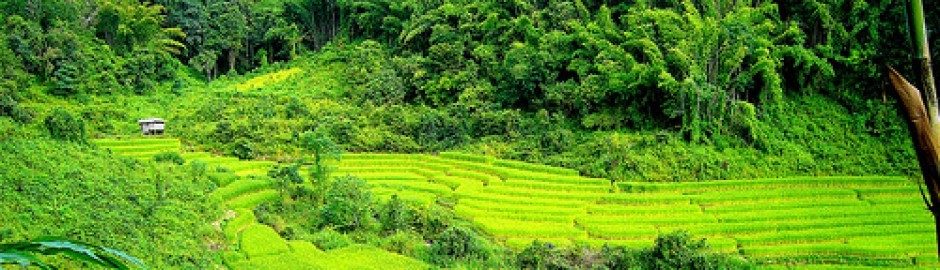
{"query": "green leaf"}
pixel 23 259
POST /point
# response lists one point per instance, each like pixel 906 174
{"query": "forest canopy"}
pixel 704 67
pixel 538 74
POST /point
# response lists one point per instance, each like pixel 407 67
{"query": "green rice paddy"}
pixel 798 222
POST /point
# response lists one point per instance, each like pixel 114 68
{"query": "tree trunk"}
pixel 231 60
pixel 926 143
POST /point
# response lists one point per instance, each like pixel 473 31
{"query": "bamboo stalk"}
pixel 926 143
pixel 922 65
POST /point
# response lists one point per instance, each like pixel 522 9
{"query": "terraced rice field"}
pixel 258 246
pixel 800 222
pixel 809 222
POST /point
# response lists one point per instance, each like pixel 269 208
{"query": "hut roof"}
pixel 150 120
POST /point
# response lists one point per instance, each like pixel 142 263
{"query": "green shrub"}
pixel 172 157
pixel 347 205
pixel 11 108
pixel 433 221
pixel 63 126
pixel 541 255
pixel 457 243
pixel 395 216
pixel 404 242
pixel 328 239
pixel 678 250
pixel 242 149
pixel 286 177
pixel 619 257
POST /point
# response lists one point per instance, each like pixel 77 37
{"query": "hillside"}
pixel 461 134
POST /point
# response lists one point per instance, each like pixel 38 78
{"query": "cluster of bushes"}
pixel 677 250
pixel 156 212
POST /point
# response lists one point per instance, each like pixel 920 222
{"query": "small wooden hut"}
pixel 151 126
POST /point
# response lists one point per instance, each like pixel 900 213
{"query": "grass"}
pixel 239 188
pixel 835 233
pixel 252 199
pixel 267 79
pixel 243 218
pixel 508 227
pixel 421 186
pixel 468 211
pixel 258 240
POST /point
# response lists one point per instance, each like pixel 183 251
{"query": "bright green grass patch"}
pixel 243 218
pixel 743 206
pixel 250 172
pixel 760 194
pixel 267 79
pixel 190 156
pixel 837 233
pixel 109 142
pixel 423 186
pixel 287 261
pixel 821 249
pixel 342 170
pixel 404 176
pixel 514 228
pixel 521 207
pixel 645 198
pixel 725 229
pixel 471 212
pixel 660 218
pixel 917 239
pixel 541 193
pixel 145 148
pixel 466 157
pixel 812 213
pixel 883 199
pixel 239 188
pixel 566 187
pixel 873 219
pixel 535 167
pixel 751 184
pixel 375 156
pixel 616 209
pixel 482 194
pixel 722 244
pixel 367 257
pixel 304 247
pixel 456 182
pixel 251 200
pixel 482 177
pixel 620 231
pixel 257 240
